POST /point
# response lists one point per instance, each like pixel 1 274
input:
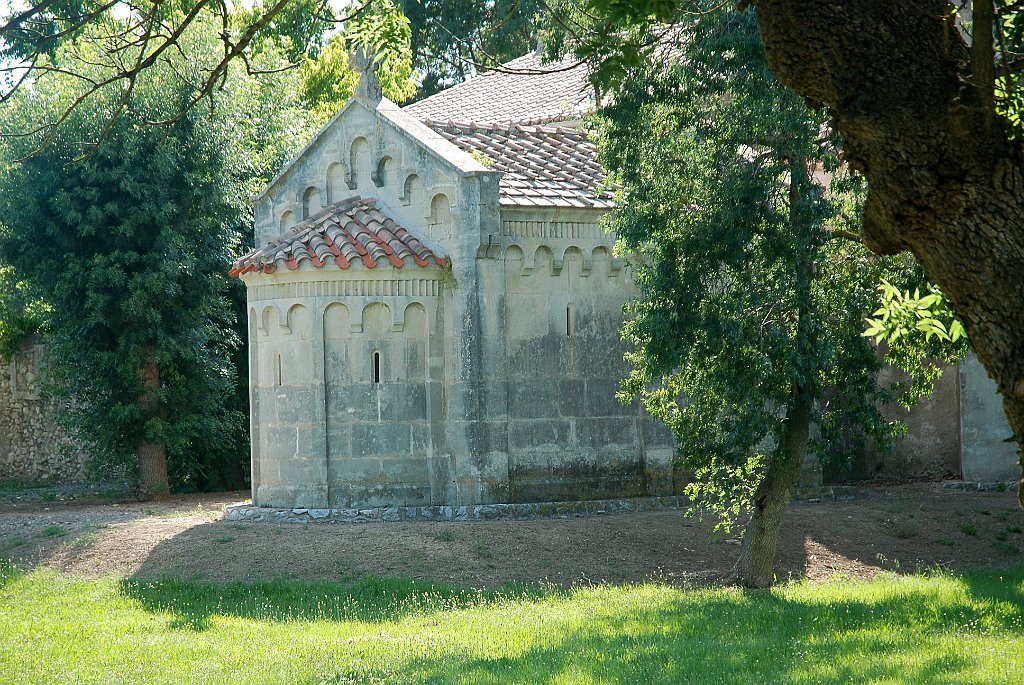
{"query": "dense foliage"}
pixel 917 332
pixel 617 36
pixel 124 40
pixel 706 149
pixel 21 312
pixel 1009 76
pixel 453 39
pixel 927 96
pixel 128 242
pixel 327 80
pixel 754 283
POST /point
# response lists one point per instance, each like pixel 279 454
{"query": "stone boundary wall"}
pixel 475 512
pixel 32 447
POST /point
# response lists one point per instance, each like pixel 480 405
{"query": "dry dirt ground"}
pixel 896 528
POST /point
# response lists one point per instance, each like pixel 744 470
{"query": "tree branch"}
pixel 983 58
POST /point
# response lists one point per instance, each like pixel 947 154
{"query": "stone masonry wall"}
pixel 32 446
pixel 323 433
pixel 986 440
pixel 554 294
pixel 931 447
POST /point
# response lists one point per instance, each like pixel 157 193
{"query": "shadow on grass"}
pixel 895 630
pixel 371 599
pixel 999 586
pixel 664 661
pixel 746 638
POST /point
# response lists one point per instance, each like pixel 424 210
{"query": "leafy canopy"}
pixel 21 312
pixel 616 36
pixel 732 197
pixel 452 39
pixel 917 331
pixel 127 240
pixel 328 82
pixel 107 47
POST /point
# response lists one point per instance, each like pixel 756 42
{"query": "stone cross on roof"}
pixel 368 89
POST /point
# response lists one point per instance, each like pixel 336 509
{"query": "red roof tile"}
pixel 353 230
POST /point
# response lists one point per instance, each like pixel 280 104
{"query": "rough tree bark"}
pixel 943 182
pixel 153 481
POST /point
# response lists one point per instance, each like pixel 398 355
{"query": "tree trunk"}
pixel 153 481
pixel 757 553
pixel 945 182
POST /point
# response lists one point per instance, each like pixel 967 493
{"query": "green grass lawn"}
pixel 922 629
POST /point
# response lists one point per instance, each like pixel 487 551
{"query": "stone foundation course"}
pixel 476 512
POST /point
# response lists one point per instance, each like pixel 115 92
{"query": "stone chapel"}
pixel 434 313
pixel 434 308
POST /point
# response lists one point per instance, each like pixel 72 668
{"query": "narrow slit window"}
pixel 569 320
pixel 376 367
pixel 277 370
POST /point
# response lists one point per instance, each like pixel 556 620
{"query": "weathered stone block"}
pixel 339 440
pixel 353 402
pixel 290 495
pixel 614 462
pixel 311 441
pixel 404 402
pixel 381 439
pixel 435 401
pixel 294 405
pixel 533 400
pixel 468 489
pixel 987 452
pixel 530 464
pixel 600 398
pixel 282 442
pixel 378 495
pixel 348 469
pixel 537 433
pixel 532 359
pixel 598 433
pixel 405 470
pixel 570 397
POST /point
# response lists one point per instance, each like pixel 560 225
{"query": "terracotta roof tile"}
pixel 550 166
pixel 350 231
pixel 520 91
